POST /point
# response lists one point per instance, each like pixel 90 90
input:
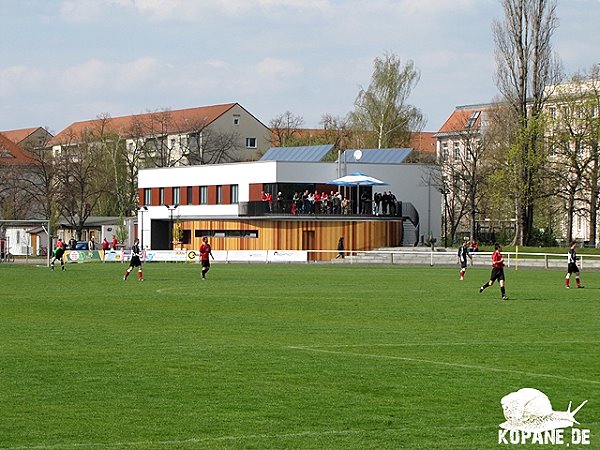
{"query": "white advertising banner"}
pixel 287 256
pixel 247 255
pixel 193 256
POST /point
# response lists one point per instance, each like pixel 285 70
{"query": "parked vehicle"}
pixel 81 245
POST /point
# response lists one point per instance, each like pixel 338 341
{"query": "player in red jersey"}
pixel 205 252
pixel 497 271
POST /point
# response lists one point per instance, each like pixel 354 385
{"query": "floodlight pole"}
pixel 171 209
pixel 142 210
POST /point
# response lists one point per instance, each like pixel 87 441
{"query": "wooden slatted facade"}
pixel 296 234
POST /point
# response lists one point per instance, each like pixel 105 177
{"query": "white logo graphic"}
pixel 531 419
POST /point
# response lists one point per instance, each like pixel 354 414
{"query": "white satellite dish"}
pixel 357 155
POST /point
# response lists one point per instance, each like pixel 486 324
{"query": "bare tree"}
pixel 383 107
pixel 525 65
pixel 81 178
pixel 38 182
pixel 574 147
pixel 16 201
pixel 157 136
pixel 463 170
pixel 337 131
pixel 203 144
pixel 284 127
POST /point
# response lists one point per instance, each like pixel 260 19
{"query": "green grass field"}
pixel 286 356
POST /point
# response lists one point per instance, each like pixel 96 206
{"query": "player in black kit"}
pixel 572 266
pixel 136 261
pixel 463 254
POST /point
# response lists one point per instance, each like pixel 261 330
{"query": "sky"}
pixel 63 61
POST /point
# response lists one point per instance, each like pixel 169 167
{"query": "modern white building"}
pixel 225 201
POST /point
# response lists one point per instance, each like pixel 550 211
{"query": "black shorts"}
pixel 135 261
pixel 463 264
pixel 497 274
pixel 573 268
pixel 205 262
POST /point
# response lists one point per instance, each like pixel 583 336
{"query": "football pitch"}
pixel 321 356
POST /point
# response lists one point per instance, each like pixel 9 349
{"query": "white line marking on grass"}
pixel 435 344
pixel 441 363
pixel 189 441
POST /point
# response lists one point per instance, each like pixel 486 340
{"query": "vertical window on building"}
pixel 176 196
pixel 161 196
pixel 234 193
pixel 250 142
pixel 445 151
pixel 172 143
pixel 552 112
pixel 203 195
pixel 456 151
pixel 219 195
pixel 236 119
pixel 189 195
pixel 147 196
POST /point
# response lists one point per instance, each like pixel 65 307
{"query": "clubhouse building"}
pixel 250 205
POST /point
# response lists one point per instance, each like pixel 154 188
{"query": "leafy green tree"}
pixel 525 66
pixel 382 109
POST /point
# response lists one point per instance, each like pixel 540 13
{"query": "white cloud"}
pixel 186 10
pixel 95 75
pixel 436 6
pixel 160 9
pixel 78 11
pixel 243 6
pixel 18 79
pixel 274 68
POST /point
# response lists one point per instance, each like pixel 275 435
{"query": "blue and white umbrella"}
pixel 358 179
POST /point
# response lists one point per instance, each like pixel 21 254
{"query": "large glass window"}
pixel 189 195
pixel 176 196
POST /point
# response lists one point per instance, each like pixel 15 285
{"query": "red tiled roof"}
pixel 423 141
pixel 19 135
pixel 457 121
pixel 123 125
pixel 13 155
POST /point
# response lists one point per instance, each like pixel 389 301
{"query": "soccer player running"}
pixel 497 271
pixel 463 254
pixel 58 254
pixel 205 252
pixel 136 261
pixel 572 266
